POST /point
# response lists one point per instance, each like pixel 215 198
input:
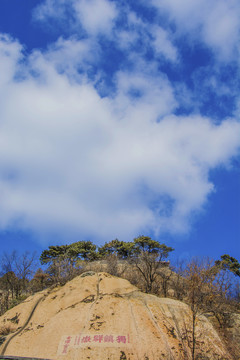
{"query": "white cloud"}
pixel 148 35
pixel 96 16
pixel 10 55
pixel 216 22
pixel 163 45
pixel 75 163
pixel 49 9
pixel 221 27
pixel 139 91
pixel 73 57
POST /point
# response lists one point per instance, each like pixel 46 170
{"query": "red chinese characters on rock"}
pixel 107 339
pixel 77 340
pixel 121 339
pixel 86 339
pixel 98 338
pixel 66 344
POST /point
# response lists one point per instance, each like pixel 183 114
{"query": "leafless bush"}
pixel 6 329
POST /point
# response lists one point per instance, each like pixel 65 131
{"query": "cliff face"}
pixel 98 316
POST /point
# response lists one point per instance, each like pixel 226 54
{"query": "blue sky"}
pixel 119 119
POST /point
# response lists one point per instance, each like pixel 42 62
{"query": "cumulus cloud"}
pixel 97 18
pixel 74 162
pixel 72 57
pixel 142 35
pixel 94 16
pixel 162 44
pixel 10 55
pixel 215 23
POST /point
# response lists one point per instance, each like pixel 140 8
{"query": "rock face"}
pixel 98 316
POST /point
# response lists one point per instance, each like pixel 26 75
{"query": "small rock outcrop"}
pixel 99 316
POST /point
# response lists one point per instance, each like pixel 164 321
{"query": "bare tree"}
pixel 178 281
pixel 25 264
pixel 16 271
pixel 165 274
pixel 200 276
pixel 148 256
pixel 39 281
pixel 61 270
pixel 112 264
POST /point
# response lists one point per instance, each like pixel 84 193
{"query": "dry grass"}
pixel 6 329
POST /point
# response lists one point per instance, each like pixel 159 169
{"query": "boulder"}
pixel 99 316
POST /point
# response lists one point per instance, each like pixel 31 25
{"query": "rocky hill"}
pixel 99 316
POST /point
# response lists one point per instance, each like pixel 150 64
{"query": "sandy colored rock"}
pixel 98 316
